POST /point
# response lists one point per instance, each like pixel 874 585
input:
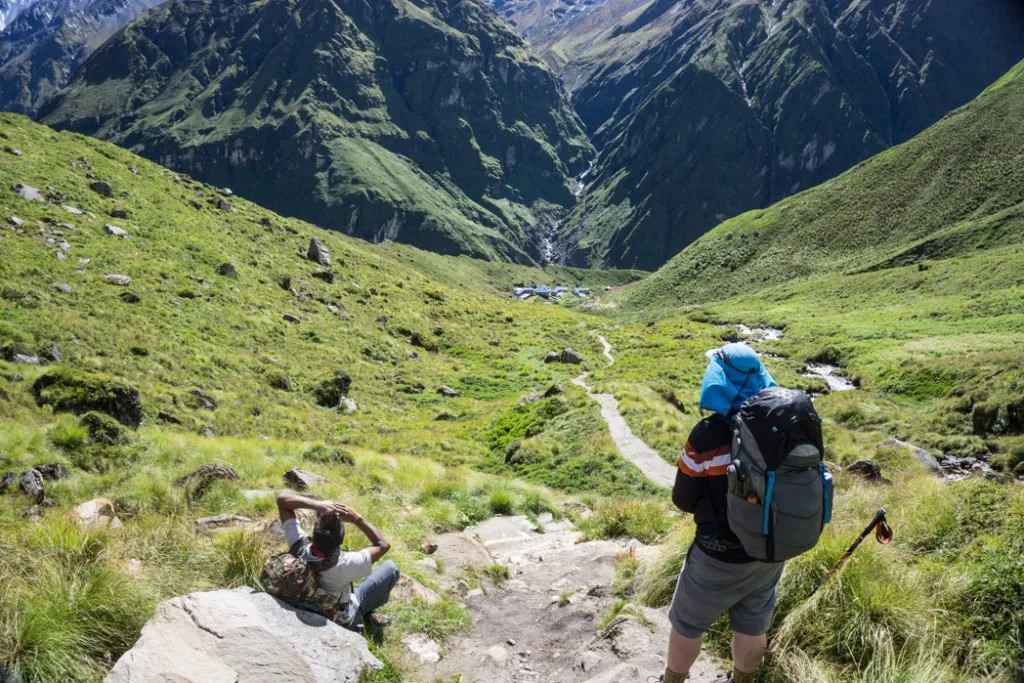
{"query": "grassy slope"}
pixel 955 189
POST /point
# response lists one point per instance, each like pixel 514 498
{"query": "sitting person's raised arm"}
pixel 380 545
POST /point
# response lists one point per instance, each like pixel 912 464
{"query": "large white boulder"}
pixel 227 636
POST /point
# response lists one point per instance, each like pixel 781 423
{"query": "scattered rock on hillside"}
pixel 868 470
pixel 31 484
pixel 102 188
pixel 96 512
pixel 28 193
pixel 347 406
pixel 571 357
pixel 130 297
pixel 53 471
pixel 288 317
pixel 318 253
pixel 242 635
pixel 15 221
pixel 73 210
pixel 8 480
pixel 207 524
pixel 25 358
pixel 12 150
pixel 554 390
pixel 220 203
pixel 926 459
pixel 410 587
pixel 119 213
pixel 227 270
pixel 114 231
pixel 445 417
pixel 530 398
pixel 329 392
pixel 447 391
pixel 53 353
pixel 302 480
pixel 325 275
pixel 200 479
pixel 203 400
pixel 168 418
pixel 551 357
pixel 118 280
pixel 62 287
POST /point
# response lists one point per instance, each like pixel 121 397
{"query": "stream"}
pixel 832 374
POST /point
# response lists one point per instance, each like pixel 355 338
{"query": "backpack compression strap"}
pixel 769 536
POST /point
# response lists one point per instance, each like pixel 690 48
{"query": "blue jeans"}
pixel 373 591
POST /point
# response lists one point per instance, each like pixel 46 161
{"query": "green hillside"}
pixel 201 332
pixel 955 190
pixel 429 123
pixel 703 110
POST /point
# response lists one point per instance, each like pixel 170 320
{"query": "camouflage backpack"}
pixel 288 577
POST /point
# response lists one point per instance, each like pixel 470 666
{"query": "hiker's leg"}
pixel 373 591
pixel 747 653
pixel 682 653
pixel 697 602
pixel 750 619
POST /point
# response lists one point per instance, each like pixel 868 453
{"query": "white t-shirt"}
pixel 338 579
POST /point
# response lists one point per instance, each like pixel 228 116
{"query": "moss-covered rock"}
pixel 331 390
pixel 104 430
pixel 74 391
pixel 329 455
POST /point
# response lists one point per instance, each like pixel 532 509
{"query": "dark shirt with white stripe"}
pixel 701 487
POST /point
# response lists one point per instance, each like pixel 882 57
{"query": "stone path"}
pixel 630 446
pixel 544 623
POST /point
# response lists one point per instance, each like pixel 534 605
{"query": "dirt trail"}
pixel 630 447
pixel 543 623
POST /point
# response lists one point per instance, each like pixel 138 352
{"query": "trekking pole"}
pixel 883 534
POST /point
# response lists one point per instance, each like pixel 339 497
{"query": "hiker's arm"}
pixel 687 491
pixel 380 545
pixel 288 503
pixel 706 455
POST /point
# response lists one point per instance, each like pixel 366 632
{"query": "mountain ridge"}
pixel 433 125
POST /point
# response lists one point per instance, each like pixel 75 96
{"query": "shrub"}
pixel 67 390
pixel 69 436
pixel 104 430
pixel 645 520
pixel 328 455
pixel 501 501
pixel 329 392
pixel 279 381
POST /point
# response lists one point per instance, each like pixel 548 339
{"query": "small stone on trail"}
pixel 446 390
pixel 498 655
pixel 302 480
pixel 589 661
pixel 114 231
pixel 510 642
pixel 101 188
pixel 426 650
pixel 428 548
pixel 318 253
pixel 118 280
pixel 28 193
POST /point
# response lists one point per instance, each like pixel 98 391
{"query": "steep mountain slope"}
pixel 955 190
pixel 704 109
pixel 42 42
pixel 429 123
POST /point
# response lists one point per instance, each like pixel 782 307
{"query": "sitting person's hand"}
pixel 344 512
pixel 753 499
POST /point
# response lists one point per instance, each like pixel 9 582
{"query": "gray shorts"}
pixel 708 587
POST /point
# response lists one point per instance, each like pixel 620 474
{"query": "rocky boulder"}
pixel 448 391
pixel 329 392
pixel 28 193
pixel 569 356
pixel 241 635
pixel 101 188
pixel 302 480
pixel 200 479
pixel 551 357
pixel 31 484
pixel 869 471
pixel 318 253
pixel 96 512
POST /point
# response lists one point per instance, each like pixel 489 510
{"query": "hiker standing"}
pixel 336 570
pixel 718 574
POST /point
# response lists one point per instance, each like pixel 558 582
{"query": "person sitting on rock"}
pixel 337 570
pixel 718 575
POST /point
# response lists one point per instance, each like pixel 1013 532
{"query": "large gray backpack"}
pixel 778 456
